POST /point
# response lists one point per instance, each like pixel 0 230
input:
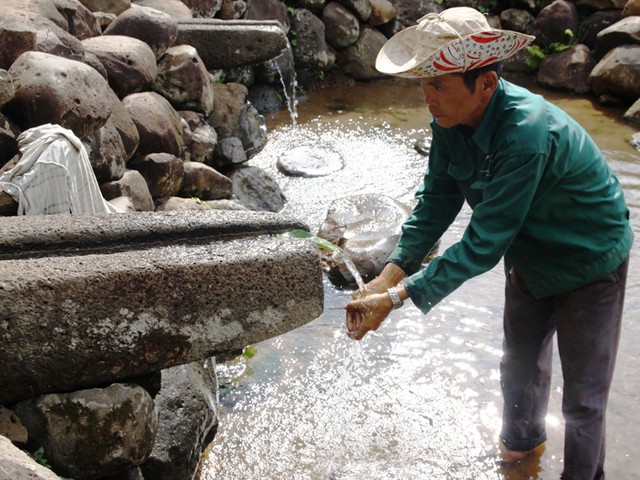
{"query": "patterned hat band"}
pixel 456 40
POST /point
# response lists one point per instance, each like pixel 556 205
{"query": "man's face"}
pixel 450 101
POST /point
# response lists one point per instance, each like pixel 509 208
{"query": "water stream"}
pixel 419 398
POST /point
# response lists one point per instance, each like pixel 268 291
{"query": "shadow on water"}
pixel 419 398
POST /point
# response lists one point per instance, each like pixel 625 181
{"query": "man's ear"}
pixel 489 81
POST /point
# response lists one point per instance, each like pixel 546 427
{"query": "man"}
pixel 543 199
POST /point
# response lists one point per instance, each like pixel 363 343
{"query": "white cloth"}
pixel 54 175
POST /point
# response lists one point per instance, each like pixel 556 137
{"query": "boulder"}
pixel 155 28
pixel 163 172
pixel 92 433
pixel 158 123
pixel 567 70
pixel 200 138
pixel 51 89
pixel 342 27
pixel 184 80
pixel 205 183
pixel 618 74
pixel 133 186
pixel 130 63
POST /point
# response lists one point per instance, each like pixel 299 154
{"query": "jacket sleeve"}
pixel 506 200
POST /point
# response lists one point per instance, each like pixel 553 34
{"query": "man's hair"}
pixel 470 76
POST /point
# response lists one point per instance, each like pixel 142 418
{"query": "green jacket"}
pixel 542 194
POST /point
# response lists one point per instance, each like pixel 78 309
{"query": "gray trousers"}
pixel 587 322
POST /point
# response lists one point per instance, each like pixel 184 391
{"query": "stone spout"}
pixel 86 300
pixel 224 44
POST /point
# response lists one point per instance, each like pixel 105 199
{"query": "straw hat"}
pixel 456 40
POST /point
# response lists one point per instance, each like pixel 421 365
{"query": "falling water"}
pixel 292 101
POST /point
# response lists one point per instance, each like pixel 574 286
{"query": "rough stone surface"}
pixel 255 189
pixel 232 43
pixel 117 311
pixel 51 89
pixel 184 80
pixel 163 172
pixel 12 428
pixel 133 186
pixel 93 433
pixel 203 182
pixel 130 63
pixel 618 73
pixel 200 138
pixel 155 28
pixel 188 407
pixel 567 70
pixel 16 464
pixel 158 123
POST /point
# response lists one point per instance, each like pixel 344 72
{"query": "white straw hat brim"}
pixel 406 55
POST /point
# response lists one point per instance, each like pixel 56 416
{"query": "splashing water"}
pixel 326 245
pixel 292 101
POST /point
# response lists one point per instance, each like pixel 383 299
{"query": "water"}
pixel 419 398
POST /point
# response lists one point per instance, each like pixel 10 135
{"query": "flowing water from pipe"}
pixel 419 398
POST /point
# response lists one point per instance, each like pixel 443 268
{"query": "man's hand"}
pixel 367 313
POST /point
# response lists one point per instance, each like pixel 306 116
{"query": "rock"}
pixel 632 115
pixel 163 172
pixel 229 152
pixel 631 7
pixel 567 70
pixel 310 50
pixel 184 80
pixel 594 23
pixel 234 116
pixel 92 433
pixel 106 152
pixel 45 9
pixel 81 22
pixel 126 127
pixel 232 9
pixel 180 203
pixel 109 6
pixel 204 8
pixel 341 26
pixel 618 73
pixel 51 89
pixel 266 98
pixel 8 140
pixel 359 60
pixel 188 409
pixel 130 63
pixel 200 138
pixel 382 11
pixel 409 12
pixel 176 9
pixel 132 185
pixel 623 32
pixel 224 44
pixel 16 464
pixel 554 20
pixel 256 190
pixel 269 10
pixel 12 428
pixel 367 228
pixel 205 183
pixel 157 122
pixel 517 20
pixel 361 7
pixel 308 161
pixel 155 28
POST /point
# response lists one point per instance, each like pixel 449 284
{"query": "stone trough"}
pixel 86 300
pixel 224 44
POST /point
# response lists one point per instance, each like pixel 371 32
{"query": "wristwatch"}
pixel 395 298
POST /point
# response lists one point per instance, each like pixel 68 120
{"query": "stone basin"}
pixel 86 300
pixel 224 44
